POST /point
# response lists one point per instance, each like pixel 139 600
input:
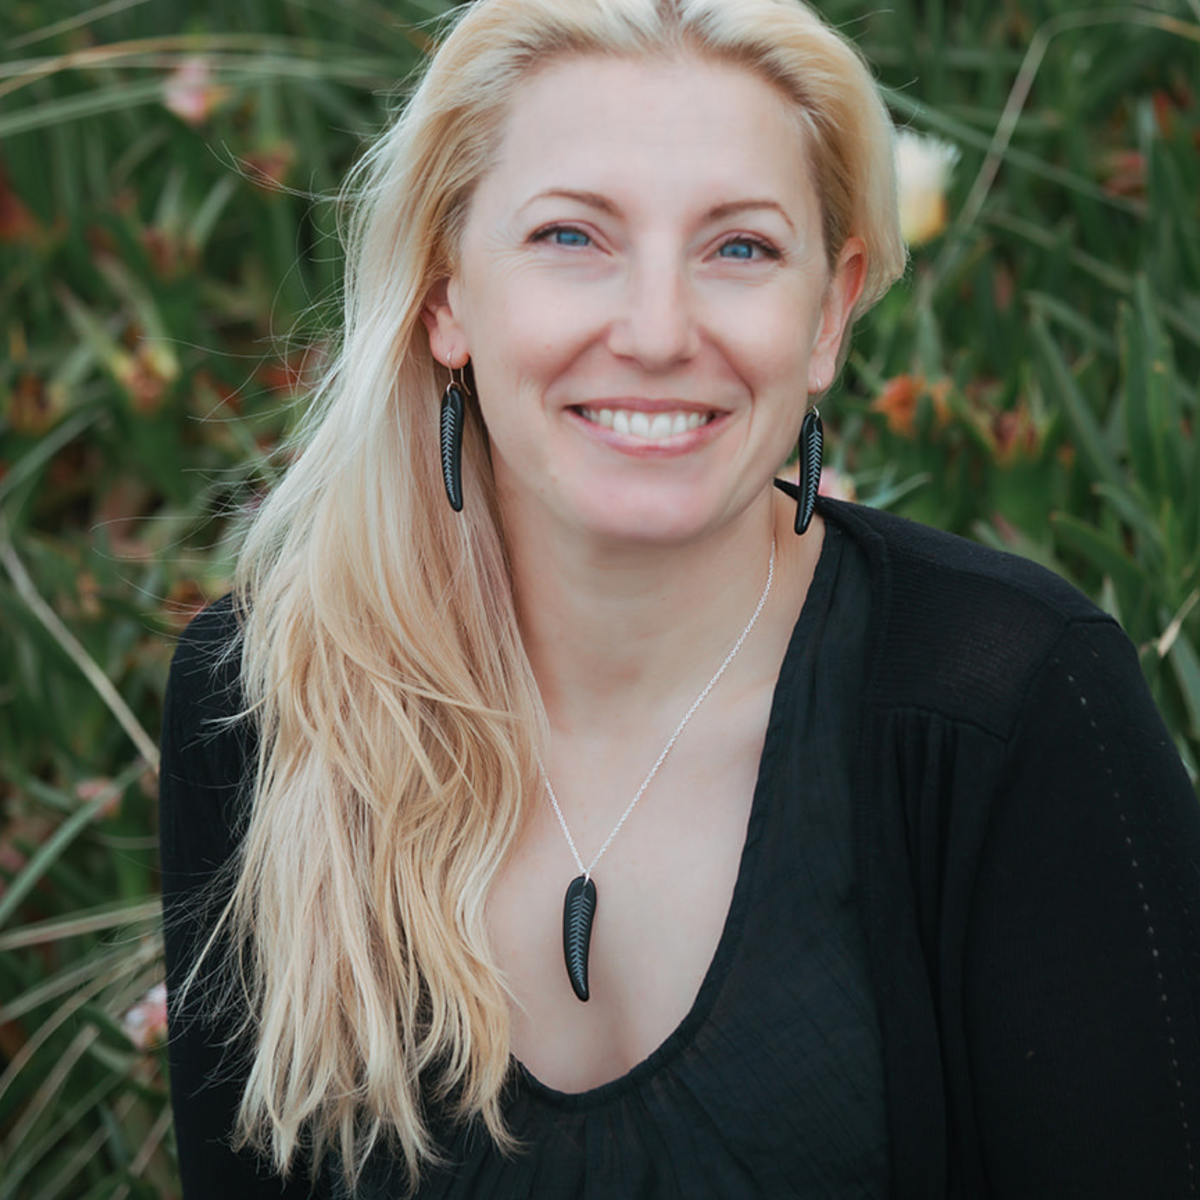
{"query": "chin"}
pixel 648 521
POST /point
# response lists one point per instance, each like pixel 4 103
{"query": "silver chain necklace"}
pixel 579 906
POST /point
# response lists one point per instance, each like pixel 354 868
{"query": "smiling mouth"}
pixel 655 427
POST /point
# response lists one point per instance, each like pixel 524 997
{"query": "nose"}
pixel 657 325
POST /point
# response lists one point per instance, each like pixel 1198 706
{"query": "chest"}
pixel 664 889
pixel 770 1080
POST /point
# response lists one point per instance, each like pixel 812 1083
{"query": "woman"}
pixel 879 867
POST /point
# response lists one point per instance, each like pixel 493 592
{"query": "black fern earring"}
pixel 453 409
pixel 812 445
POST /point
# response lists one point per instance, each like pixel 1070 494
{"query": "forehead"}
pixel 652 126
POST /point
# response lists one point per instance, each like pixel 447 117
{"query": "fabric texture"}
pixel 1021 871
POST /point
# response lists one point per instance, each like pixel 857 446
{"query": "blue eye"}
pixel 739 248
pixel 565 235
pixel 747 249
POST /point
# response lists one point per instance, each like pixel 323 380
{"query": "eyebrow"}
pixel 719 212
pixel 591 199
pixel 734 207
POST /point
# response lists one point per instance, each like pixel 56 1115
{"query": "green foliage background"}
pixel 167 286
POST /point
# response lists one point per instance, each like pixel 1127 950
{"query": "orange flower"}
pixel 146 374
pixel 1125 173
pixel 901 398
pixel 1014 434
pixel 185 599
pixel 939 393
pixel 898 402
pixel 17 223
pixel 30 409
pixel 269 169
pixel 295 373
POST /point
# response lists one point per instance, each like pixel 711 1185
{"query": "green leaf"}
pixel 1069 317
pixel 43 858
pixel 1106 554
pixel 1186 664
pixel 202 224
pixel 108 916
pixel 1060 384
pixel 1132 508
pixel 1153 420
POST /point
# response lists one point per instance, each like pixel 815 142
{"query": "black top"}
pixel 1026 850
pixel 772 1085
pixel 773 1082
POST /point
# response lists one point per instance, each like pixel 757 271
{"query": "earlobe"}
pixel 447 339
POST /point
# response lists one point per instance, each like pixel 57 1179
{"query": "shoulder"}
pixel 208 744
pixel 204 685
pixel 957 628
pixel 207 658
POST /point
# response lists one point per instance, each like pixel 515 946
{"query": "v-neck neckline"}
pixel 816 602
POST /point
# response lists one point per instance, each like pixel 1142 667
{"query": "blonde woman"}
pixel 560 808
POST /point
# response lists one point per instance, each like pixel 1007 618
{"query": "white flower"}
pixel 923 169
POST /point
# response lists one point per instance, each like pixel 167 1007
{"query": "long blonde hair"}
pixel 382 662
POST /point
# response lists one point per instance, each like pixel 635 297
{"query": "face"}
pixel 645 298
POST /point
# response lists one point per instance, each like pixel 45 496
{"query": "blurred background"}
pixel 169 274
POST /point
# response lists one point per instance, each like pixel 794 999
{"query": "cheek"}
pixel 518 357
pixel 771 347
pixel 522 334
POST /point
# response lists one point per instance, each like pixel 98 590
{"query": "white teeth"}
pixel 653 427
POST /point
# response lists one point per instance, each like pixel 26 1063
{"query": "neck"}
pixel 618 633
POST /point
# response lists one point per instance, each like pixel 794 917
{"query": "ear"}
pixel 447 338
pixel 841 295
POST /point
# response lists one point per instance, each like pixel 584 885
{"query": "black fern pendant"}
pixel 452 433
pixel 812 445
pixel 579 910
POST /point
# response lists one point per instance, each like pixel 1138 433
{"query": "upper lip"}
pixel 646 405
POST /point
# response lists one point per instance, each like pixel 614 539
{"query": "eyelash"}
pixel 548 234
pixel 551 231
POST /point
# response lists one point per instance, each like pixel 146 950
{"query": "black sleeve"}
pixel 1082 982
pixel 202 805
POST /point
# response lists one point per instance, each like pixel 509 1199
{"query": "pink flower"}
pixel 189 91
pixel 835 484
pixel 145 1024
